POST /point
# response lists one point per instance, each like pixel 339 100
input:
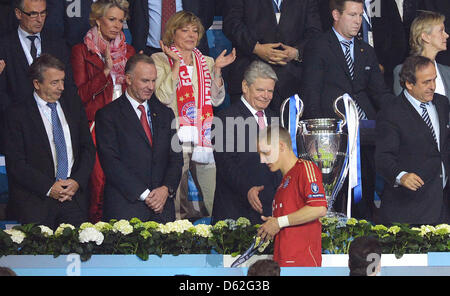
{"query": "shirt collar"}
pixel 41 102
pixel 341 38
pixel 416 103
pixel 24 34
pixel 135 104
pixel 252 110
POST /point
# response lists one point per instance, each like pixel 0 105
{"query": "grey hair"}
pixel 20 4
pixel 259 69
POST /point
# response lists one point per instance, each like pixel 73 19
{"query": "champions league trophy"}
pixel 324 141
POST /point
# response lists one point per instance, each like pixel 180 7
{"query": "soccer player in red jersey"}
pixel 298 204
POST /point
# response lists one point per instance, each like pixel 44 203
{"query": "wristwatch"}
pixel 172 191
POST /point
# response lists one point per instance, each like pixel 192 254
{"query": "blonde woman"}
pixel 98 69
pixel 191 84
pixel 428 38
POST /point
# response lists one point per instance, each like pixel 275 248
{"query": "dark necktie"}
pixel 427 119
pixel 33 50
pixel 145 125
pixel 349 61
pixel 62 164
pixel 168 8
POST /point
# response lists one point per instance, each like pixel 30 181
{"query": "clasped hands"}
pixel 64 190
pixel 156 199
pixel 276 53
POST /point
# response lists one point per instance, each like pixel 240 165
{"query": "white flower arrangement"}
pixel 17 236
pixel 46 231
pixel 123 226
pixel 90 234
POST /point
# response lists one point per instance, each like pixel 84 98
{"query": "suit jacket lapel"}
pixel 416 117
pixel 339 54
pixel 358 53
pixel 70 123
pixel 154 116
pixel 131 118
pixel 442 123
pixel 38 124
pixel 266 5
pixel 21 59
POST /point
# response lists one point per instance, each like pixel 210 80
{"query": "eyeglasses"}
pixel 35 14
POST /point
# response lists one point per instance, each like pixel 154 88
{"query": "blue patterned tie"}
pixel 60 144
pixel 351 69
pixel 427 119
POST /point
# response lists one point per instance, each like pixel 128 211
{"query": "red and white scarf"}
pixel 118 47
pixel 195 122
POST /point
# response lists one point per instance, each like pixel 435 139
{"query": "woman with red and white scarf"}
pixel 98 69
pixel 191 84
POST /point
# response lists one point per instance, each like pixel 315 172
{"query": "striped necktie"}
pixel 349 61
pixel 62 164
pixel 427 119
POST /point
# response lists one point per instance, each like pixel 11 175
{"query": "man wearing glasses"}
pixel 21 47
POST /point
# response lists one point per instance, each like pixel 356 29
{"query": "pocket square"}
pixel 367 68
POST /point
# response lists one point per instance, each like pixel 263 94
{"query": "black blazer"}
pixel 15 85
pixel 404 143
pixel 246 22
pixel 328 77
pixel 29 159
pixel 138 23
pixel 237 172
pixel 130 164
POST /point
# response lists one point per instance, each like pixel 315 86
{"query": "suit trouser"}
pixel 204 176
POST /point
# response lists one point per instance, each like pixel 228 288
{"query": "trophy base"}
pixel 333 214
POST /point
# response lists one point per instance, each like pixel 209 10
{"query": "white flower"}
pixel 90 234
pixel 123 226
pixel 47 232
pixel 203 230
pixel 179 226
pixel 17 236
pixel 103 226
pixel 61 228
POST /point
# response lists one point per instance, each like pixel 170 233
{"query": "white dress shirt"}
pixel 26 44
pixel 434 118
pixel 253 110
pixel 154 22
pixel 135 104
pixel 46 115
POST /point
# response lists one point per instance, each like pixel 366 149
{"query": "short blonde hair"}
pixel 99 9
pixel 423 23
pixel 180 20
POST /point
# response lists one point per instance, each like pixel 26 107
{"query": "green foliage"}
pixel 225 237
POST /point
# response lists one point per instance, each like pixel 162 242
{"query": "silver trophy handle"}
pixel 300 107
pixel 339 113
pixel 345 168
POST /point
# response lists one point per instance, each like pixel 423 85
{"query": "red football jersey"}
pixel 299 245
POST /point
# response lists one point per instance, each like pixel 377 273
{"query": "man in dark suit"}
pixel 411 152
pixel 384 29
pixel 274 31
pixel 146 20
pixel 138 149
pixel 20 47
pixel 245 187
pixel 49 151
pixel 338 63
